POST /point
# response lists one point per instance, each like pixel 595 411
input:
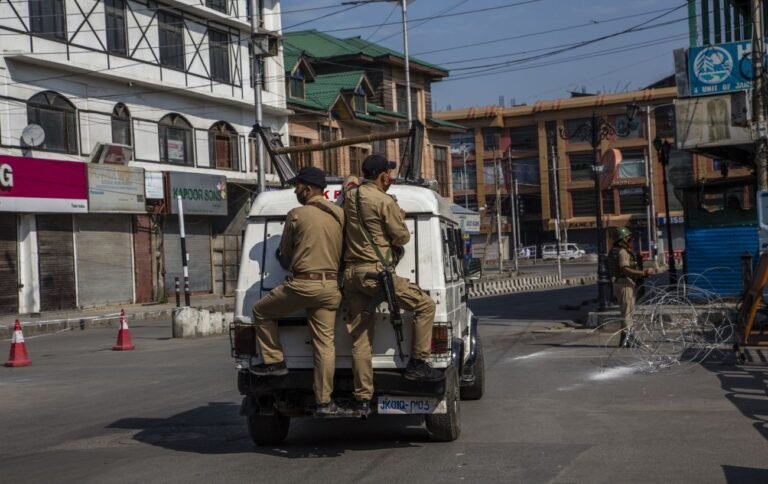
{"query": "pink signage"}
pixel 40 185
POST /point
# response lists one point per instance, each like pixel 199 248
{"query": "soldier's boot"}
pixel 623 339
pixel 419 370
pixel 326 409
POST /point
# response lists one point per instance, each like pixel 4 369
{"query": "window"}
pixel 462 142
pixel 441 169
pixel 665 121
pixel 301 160
pixel 632 164
pixel 47 17
pixel 222 145
pixel 491 138
pixel 358 101
pixel 460 182
pixel 171 40
pixel 572 125
pixel 632 200
pixel 175 140
pixel 356 157
pixel 524 138
pixel 380 147
pixel 121 125
pixel 583 203
pixel 115 26
pixel 56 115
pixel 581 166
pixel 296 84
pixel 218 43
pixel 635 126
pixel 527 171
pixel 331 156
pixel 218 5
pixel 402 101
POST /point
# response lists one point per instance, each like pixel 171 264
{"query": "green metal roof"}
pixel 327 88
pixel 376 109
pixel 445 124
pixel 320 45
pixel 291 56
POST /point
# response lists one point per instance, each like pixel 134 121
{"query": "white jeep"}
pixel 433 259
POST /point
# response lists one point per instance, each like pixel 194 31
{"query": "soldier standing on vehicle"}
pixel 311 249
pixel 624 268
pixel 375 236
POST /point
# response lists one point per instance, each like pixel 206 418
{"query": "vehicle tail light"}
pixel 441 337
pixel 242 339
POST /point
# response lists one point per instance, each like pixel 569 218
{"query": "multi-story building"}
pixel 109 111
pixel 520 142
pixel 340 88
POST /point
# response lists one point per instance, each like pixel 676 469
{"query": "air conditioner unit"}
pixel 741 108
pixel 266 43
pixel 111 153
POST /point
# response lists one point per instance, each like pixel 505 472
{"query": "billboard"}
pixel 115 189
pixel 720 68
pixel 707 122
pixel 43 186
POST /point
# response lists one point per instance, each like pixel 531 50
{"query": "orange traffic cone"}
pixel 123 335
pixel 18 356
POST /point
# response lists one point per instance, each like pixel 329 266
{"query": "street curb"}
pixel 33 328
pixel 497 287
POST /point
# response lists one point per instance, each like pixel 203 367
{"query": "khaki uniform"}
pixel 384 222
pixel 312 240
pixel 624 288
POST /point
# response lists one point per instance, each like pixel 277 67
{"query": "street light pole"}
pixel 466 181
pixel 594 131
pixel 663 149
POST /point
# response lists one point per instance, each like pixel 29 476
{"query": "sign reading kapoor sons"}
pixel 39 185
pixel 200 194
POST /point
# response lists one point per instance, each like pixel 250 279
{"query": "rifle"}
pixel 388 294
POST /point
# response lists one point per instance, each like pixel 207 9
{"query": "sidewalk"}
pixel 54 321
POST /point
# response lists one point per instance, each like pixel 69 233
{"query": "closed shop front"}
pixel 202 196
pixel 198 233
pixel 104 259
pixel 9 264
pixel 56 258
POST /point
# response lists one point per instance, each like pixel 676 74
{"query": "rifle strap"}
pixel 327 210
pixel 385 261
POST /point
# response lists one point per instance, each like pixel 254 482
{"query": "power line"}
pixel 455 14
pixel 419 24
pixel 321 17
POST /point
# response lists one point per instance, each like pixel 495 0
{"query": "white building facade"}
pixel 139 103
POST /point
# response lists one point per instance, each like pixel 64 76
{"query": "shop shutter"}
pixel 199 249
pixel 57 262
pixel 104 259
pixel 9 270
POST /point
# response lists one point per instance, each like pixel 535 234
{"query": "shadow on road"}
pixel 746 388
pixel 545 305
pixel 745 475
pixel 217 428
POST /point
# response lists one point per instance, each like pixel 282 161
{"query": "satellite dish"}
pixel 33 135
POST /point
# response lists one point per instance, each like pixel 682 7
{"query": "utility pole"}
pixel 758 99
pixel 466 180
pixel 257 87
pixel 497 174
pixel 404 7
pixel 653 239
pixel 513 210
pixel 758 94
pixel 556 190
pixel 516 220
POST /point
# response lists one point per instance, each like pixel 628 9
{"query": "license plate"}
pixel 409 405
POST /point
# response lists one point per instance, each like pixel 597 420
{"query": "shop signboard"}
pixel 720 68
pixel 200 194
pixel 38 185
pixel 154 189
pixel 115 189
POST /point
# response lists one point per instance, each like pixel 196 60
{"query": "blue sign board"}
pixel 720 68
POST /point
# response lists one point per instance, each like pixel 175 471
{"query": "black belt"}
pixel 315 276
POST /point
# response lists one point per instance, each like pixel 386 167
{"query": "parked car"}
pixel 567 251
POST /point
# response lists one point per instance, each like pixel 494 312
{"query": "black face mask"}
pixel 302 194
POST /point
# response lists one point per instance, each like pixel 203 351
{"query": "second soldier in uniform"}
pixel 375 235
pixel 311 249
pixel 625 270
